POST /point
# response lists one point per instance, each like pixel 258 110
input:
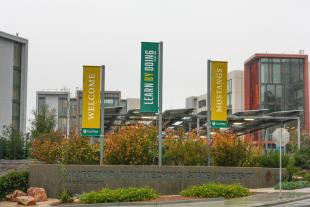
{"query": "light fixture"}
pixel 249 119
pixel 237 123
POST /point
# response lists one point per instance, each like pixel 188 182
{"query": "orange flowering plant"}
pixel 131 145
pixel 229 150
pixel 185 149
pixel 54 148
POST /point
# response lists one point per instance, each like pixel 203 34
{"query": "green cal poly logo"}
pixel 149 77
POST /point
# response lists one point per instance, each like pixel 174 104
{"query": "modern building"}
pixel 277 82
pixel 58 102
pixel 235 95
pixel 13 81
pixel 130 104
pixel 235 91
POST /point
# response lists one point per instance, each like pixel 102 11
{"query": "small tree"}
pixel 44 121
pixel 13 144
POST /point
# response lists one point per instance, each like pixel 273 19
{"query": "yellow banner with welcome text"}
pixel 91 101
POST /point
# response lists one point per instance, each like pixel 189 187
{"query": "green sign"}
pixel 91 132
pixel 219 124
pixel 149 77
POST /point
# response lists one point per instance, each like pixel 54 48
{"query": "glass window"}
pixel 301 71
pixel 262 94
pixel 264 60
pixel 286 70
pixel 17 54
pixel 16 85
pixel 279 91
pixel 16 93
pixel 62 124
pixel 276 73
pixel 264 73
pixel 62 106
pixel 202 103
pixel 41 104
pixel 276 60
pixel 16 77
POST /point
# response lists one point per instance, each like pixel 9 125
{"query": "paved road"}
pixel 302 203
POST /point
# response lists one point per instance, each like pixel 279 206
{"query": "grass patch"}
pixel 293 185
pixel 215 190
pixel 107 195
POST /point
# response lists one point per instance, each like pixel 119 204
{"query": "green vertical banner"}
pixel 149 77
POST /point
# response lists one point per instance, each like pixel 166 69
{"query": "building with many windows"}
pixel 68 110
pixel 58 102
pixel 13 81
pixel 235 95
pixel 277 82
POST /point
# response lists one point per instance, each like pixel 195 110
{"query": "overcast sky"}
pixel 66 34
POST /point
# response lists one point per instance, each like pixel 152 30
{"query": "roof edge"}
pixel 13 37
pixel 274 55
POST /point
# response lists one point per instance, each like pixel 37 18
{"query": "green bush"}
pixel 131 145
pixel 230 150
pixel 215 190
pixel 13 144
pixel 107 195
pixel 293 185
pixel 185 149
pixel 272 160
pixel 65 196
pixel 302 158
pixel 13 181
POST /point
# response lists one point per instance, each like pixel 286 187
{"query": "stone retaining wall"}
pixel 7 165
pixel 165 179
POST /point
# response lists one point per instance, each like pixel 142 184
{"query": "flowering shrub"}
pixel 46 150
pixel 78 150
pixel 131 145
pixel 229 150
pixel 74 150
pixel 182 149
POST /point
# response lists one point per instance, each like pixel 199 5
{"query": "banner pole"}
pixel 102 114
pixel 209 111
pixel 160 100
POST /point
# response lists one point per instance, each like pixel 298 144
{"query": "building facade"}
pixel 277 82
pixel 130 104
pixel 58 102
pixel 13 81
pixel 235 95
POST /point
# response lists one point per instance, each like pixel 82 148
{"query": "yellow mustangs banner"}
pixel 218 94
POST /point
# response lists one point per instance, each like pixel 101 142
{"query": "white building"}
pixel 130 104
pixel 58 101
pixel 235 95
pixel 13 81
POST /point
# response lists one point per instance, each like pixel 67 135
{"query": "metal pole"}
pixel 298 133
pixel 160 102
pixel 68 115
pixel 280 173
pixel 266 141
pixel 102 114
pixel 198 125
pixel 209 111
